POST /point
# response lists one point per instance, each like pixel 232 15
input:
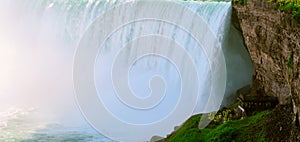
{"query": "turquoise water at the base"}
pixel 22 125
pixel 59 134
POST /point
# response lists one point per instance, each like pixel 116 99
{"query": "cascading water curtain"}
pixel 136 68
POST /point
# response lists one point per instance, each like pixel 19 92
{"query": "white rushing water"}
pixel 38 41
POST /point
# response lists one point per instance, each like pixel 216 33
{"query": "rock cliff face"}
pixel 273 40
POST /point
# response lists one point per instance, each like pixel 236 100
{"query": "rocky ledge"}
pixel 273 41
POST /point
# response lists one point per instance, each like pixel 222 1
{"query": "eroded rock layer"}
pixel 273 40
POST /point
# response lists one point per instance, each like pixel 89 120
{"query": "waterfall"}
pixel 149 65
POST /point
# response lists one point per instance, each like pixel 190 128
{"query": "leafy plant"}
pixel 289 6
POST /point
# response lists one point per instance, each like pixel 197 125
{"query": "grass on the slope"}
pixel 252 128
pixel 188 131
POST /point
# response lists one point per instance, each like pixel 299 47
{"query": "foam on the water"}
pixel 21 124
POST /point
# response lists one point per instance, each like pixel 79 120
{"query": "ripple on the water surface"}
pixel 52 134
pixel 20 125
pixel 66 137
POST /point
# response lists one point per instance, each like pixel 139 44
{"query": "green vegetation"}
pixel 290 61
pixel 252 128
pixel 289 6
pixel 188 131
pixel 241 2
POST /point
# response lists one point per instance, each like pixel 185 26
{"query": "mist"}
pixel 38 41
pixel 36 62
